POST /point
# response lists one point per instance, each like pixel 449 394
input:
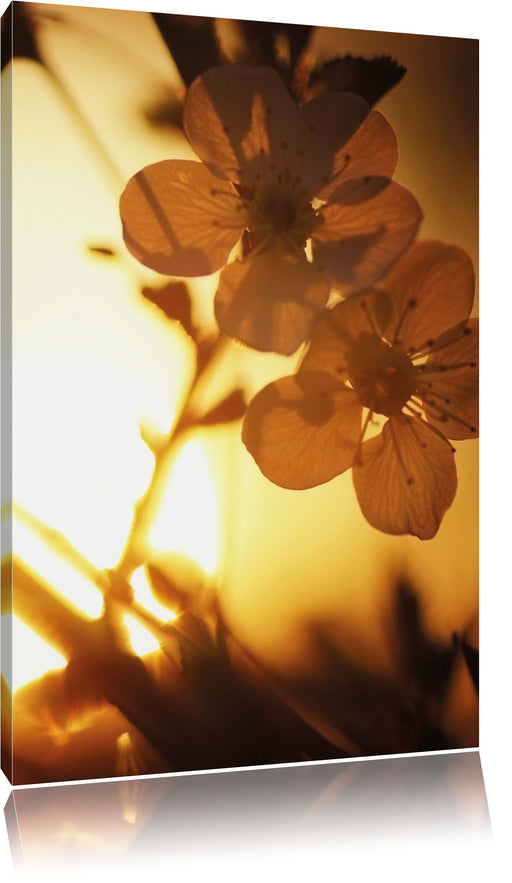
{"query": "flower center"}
pixel 381 374
pixel 280 212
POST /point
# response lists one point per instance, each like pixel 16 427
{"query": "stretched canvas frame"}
pixel 295 630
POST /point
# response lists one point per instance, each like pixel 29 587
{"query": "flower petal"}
pixel 405 479
pixel 179 219
pixel 359 240
pixel 372 151
pixel 431 288
pixel 269 300
pixel 335 331
pixel 303 430
pixel 234 113
pixel 449 384
pixel 327 123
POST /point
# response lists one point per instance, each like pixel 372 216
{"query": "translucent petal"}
pixel 335 331
pixel 372 151
pixel 431 288
pixel 405 479
pixel 269 300
pixel 449 384
pixel 327 123
pixel 235 113
pixel 361 238
pixel 303 430
pixel 179 219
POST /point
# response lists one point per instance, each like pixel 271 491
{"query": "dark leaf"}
pixel 259 38
pixel 164 111
pixel 18 40
pixel 103 250
pixel 281 46
pixel 174 301
pixel 233 407
pixel 192 42
pixel 179 585
pixel 472 659
pixel 370 78
pixel 426 661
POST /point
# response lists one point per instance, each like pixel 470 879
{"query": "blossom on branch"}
pixel 306 190
pixel 403 356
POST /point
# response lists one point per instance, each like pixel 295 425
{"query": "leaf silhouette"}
pixel 191 41
pixel 369 78
pixel 18 40
pixel 173 301
pixel 232 408
pixel 103 250
pixel 178 583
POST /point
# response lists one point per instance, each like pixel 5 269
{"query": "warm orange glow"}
pixel 32 657
pixel 188 520
pixel 145 597
pixel 57 572
pixel 101 374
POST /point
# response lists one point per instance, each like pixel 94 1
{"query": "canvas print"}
pixel 240 379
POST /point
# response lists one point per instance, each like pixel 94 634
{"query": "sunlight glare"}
pixel 141 640
pixel 188 520
pixel 32 657
pixel 144 596
pixel 59 574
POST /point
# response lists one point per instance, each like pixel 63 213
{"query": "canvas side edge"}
pixel 6 399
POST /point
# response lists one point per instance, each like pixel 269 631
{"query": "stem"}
pixel 134 552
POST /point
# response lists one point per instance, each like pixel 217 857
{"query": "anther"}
pixel 284 145
pixel 467 331
pixel 412 303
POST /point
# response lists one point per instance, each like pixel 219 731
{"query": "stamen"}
pixel 357 455
pixel 410 305
pixel 443 415
pixel 442 369
pixel 416 415
pixel 426 347
pixel 365 308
